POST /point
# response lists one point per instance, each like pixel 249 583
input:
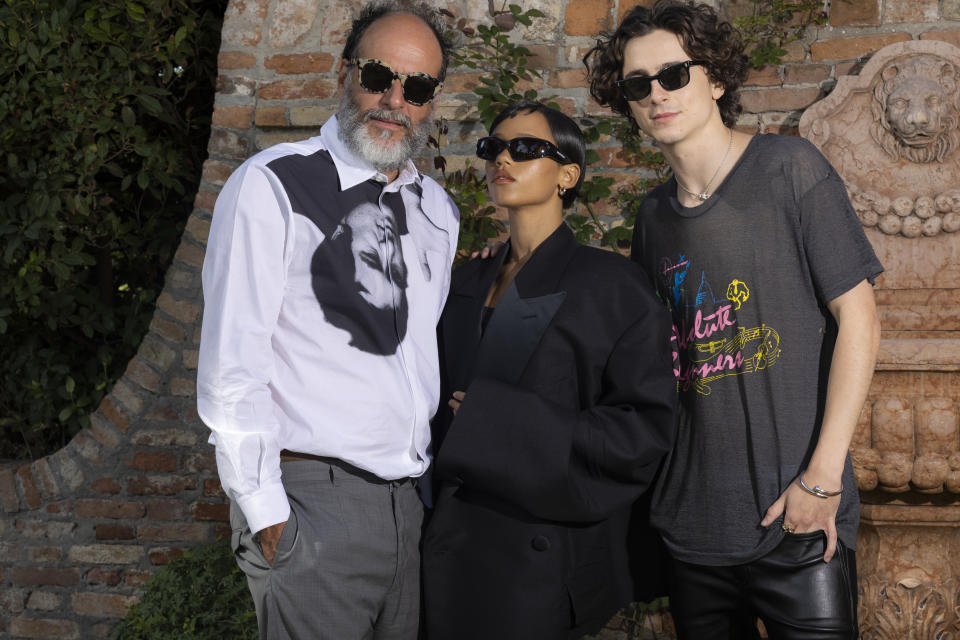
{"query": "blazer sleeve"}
pixel 565 464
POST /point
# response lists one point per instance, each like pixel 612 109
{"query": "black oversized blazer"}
pixel 569 408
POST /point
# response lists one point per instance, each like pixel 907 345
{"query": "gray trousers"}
pixel 348 562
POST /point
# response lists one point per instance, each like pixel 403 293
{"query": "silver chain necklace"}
pixel 704 195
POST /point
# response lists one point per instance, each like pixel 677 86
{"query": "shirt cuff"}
pixel 265 507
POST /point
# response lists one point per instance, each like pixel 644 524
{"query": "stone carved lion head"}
pixel 915 109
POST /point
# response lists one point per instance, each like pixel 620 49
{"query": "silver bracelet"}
pixel 817 491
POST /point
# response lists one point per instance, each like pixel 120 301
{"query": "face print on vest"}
pixel 358 272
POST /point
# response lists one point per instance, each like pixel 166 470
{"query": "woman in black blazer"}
pixel 558 370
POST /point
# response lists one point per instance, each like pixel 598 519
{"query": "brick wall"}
pixel 81 530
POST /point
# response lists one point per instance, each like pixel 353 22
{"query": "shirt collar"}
pixel 351 169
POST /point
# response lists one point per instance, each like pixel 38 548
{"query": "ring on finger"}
pixel 787 527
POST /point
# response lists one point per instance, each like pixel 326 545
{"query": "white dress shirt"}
pixel 276 370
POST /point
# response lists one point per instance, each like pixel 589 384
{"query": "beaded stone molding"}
pixel 893 132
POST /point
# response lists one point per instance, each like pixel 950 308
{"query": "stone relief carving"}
pixel 915 109
pixel 901 166
pixel 908 609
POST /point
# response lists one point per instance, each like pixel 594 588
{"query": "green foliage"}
pixel 776 23
pixel 201 596
pixel 634 618
pixel 104 117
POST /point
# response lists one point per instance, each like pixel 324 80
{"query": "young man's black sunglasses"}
pixel 674 77
pixel 521 149
pixel 376 77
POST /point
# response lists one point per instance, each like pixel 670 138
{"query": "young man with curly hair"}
pixel 755 249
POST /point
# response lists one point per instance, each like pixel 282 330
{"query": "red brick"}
pixel 169 330
pixel 300 63
pixel 235 60
pixel 110 577
pixel 183 387
pixel 153 461
pixel 627 5
pixel 165 438
pixel 46 555
pixel 199 228
pixel 587 17
pixel 182 310
pixel 103 605
pixel 106 485
pixel 568 78
pixel 166 510
pixel 103 432
pixel 105 553
pixel 44 601
pixel 805 73
pixel 85 446
pixel 45 576
pixel 243 23
pixel 61 508
pixel 45 478
pixel 271 117
pixel 228 144
pixel 210 511
pixel 163 414
pixel 316 89
pixel 461 82
pixel 911 11
pixel 8 491
pixel 228 85
pixel 763 100
pixel 115 532
pixel 200 462
pixel 165 555
pixel 117 416
pixel 849 48
pixel 191 254
pixel 136 577
pixel 109 509
pixel 31 494
pixel 232 117
pixel 767 76
pixel 953 37
pixel 45 529
pixel 212 488
pixel 216 172
pixel 159 485
pixel 854 12
pixel 43 628
pixel 542 56
pixel 222 531
pixel 12 601
pixel 178 532
pixel 9 552
pixel 126 395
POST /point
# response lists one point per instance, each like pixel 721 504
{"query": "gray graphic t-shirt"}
pixel 746 276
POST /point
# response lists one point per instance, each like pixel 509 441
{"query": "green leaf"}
pixel 151 104
pixel 128 117
pixel 70 385
pixel 179 36
pixel 136 12
pixel 65 414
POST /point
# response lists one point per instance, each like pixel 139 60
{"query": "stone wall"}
pixel 81 530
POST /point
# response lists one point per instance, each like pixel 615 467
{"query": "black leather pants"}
pixel 796 594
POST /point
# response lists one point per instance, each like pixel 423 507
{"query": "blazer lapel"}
pixel 525 310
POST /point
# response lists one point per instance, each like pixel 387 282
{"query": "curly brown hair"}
pixel 704 36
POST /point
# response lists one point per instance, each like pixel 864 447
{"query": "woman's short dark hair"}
pixel 565 133
pixel 704 36
pixel 373 11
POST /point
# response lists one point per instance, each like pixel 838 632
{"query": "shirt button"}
pixel 540 543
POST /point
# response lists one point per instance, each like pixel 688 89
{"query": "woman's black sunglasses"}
pixel 674 77
pixel 376 77
pixel 521 149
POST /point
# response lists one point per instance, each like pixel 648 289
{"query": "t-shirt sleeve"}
pixel 837 250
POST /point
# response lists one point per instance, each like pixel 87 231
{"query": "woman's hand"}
pixel 803 512
pixel 456 400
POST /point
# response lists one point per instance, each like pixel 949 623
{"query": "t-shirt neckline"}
pixel 700 209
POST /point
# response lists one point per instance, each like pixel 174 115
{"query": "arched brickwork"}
pixel 81 530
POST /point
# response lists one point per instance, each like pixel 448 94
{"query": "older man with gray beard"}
pixel 326 271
